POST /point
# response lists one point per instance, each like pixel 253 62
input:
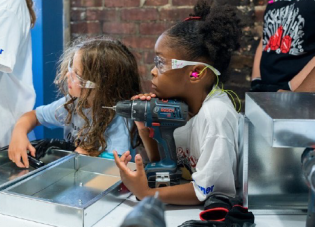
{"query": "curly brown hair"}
pixel 30 4
pixel 113 68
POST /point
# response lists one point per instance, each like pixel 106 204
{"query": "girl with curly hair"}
pixel 94 73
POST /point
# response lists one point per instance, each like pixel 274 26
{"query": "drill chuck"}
pixel 134 109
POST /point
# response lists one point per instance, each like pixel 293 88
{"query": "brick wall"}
pixel 138 23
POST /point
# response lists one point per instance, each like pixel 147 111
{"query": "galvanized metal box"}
pixel 278 127
pixel 75 190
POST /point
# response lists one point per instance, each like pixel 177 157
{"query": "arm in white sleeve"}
pixel 215 168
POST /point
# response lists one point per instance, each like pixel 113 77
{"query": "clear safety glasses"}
pixel 162 66
pixel 78 80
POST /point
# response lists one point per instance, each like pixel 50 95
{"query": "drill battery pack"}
pixel 163 179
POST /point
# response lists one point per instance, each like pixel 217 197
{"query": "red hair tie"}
pixel 192 18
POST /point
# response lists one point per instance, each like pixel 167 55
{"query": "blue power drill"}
pixel 162 117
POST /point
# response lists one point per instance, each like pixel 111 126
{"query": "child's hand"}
pixel 145 96
pixel 18 149
pixel 135 181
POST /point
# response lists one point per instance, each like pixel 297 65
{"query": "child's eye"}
pixel 158 62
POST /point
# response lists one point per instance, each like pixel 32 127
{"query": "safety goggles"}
pixel 162 66
pixel 75 78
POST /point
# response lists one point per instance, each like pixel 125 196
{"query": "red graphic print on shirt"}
pixel 283 31
pixel 185 158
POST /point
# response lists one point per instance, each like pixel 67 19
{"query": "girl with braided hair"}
pixel 191 58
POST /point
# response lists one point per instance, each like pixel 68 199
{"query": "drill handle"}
pixel 166 144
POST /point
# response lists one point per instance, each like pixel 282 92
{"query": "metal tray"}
pixel 11 174
pixel 77 191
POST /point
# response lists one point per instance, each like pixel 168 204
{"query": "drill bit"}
pixel 109 107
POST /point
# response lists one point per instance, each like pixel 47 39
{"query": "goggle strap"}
pixel 178 64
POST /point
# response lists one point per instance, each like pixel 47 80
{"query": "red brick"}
pixel 76 3
pixel 119 28
pixel 138 55
pixel 86 3
pixel 139 42
pixel 175 14
pixel 156 2
pixel 142 71
pixel 92 14
pixel 86 28
pixel 104 15
pixel 108 15
pixel 78 15
pixel 153 28
pixel 184 2
pixel 139 14
pixel 148 57
pixel 122 3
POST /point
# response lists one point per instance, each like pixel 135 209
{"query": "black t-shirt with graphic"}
pixel 288 40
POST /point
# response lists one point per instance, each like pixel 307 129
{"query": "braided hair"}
pixel 211 33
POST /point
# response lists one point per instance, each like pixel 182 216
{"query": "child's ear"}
pixel 198 72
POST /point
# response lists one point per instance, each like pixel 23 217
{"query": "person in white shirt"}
pixel 191 59
pixel 17 94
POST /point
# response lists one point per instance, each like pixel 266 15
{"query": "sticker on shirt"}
pixel 283 31
pixel 1 51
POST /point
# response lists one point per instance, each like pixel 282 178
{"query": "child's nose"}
pixel 154 71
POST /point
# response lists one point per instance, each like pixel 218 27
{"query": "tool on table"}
pixel 149 212
pixel 162 117
pixel 308 168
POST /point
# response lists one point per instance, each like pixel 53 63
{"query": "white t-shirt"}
pixel 208 145
pixel 17 94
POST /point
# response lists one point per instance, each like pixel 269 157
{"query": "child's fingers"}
pixel 140 125
pixel 134 97
pixel 142 97
pixel 119 163
pixel 25 159
pixel 116 158
pixel 124 156
pixel 17 160
pixel 139 163
pixel 31 149
pixel 128 158
pixel 145 96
